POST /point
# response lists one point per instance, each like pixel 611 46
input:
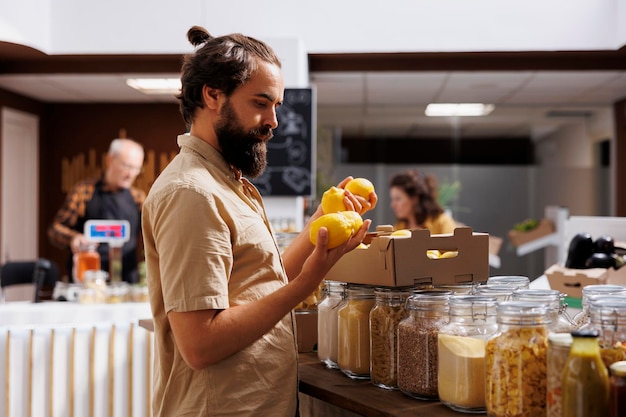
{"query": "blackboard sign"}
pixel 290 153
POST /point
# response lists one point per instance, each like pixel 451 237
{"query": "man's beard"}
pixel 244 150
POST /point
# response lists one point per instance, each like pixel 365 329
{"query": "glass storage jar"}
pixel 388 312
pixel 461 352
pixel 617 389
pixel 516 360
pixel 560 322
pixel 86 259
pixel 417 343
pixel 459 288
pixel 332 296
pixel 591 291
pixel 608 318
pixel 558 350
pixel 353 331
pixel 500 292
pixel 517 281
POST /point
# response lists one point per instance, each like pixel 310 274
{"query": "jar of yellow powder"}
pixel 353 331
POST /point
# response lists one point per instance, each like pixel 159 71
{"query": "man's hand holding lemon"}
pixel 341 209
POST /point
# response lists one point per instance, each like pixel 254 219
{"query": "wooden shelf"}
pixel 360 396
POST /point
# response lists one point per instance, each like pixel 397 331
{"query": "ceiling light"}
pixel 155 85
pixel 459 109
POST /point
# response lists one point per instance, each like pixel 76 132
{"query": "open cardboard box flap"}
pixel 403 260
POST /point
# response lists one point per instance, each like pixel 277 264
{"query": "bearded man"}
pixel 221 295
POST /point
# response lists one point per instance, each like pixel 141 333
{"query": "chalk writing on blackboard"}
pixel 289 153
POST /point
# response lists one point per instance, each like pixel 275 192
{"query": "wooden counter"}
pixel 348 397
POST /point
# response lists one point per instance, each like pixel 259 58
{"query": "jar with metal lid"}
pixel 516 359
pixel 585 379
pixel 389 310
pixel 461 352
pixel 560 322
pixel 500 292
pixel 608 318
pixel 517 281
pixel 590 291
pixel 353 331
pixel 617 389
pixel 459 288
pixel 558 350
pixel 333 294
pixel 417 343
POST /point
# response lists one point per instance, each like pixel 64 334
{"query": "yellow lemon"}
pixel 339 228
pixel 355 219
pixel 360 186
pixel 401 232
pixel 332 200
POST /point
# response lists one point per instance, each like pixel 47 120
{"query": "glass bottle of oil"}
pixel 585 379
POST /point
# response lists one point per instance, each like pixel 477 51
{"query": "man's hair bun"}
pixel 198 35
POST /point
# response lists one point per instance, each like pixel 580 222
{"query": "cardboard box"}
pixel 572 281
pixel 403 261
pixel 545 227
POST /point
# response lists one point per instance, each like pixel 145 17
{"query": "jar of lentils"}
pixel 389 310
pixel 516 361
pixel 417 343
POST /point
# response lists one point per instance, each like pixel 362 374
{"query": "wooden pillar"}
pixel 620 158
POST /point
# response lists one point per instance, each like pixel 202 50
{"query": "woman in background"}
pixel 414 203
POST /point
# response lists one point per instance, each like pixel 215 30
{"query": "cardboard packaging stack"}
pixel 395 261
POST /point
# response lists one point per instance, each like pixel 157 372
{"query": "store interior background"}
pixel 551 140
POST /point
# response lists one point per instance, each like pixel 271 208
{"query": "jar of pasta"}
pixel 558 350
pixel 608 318
pixel 516 360
pixel 353 331
pixel 327 309
pixel 417 343
pixel 387 313
pixel 461 352
pixel 594 291
pixel 560 321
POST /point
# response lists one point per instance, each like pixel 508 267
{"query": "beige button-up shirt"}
pixel 208 245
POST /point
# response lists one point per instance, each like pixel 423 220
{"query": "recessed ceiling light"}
pixel 458 109
pixel 155 85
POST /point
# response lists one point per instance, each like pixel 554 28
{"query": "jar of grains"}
pixel 592 291
pixel 387 313
pixel 516 360
pixel 560 321
pixel 332 296
pixel 608 318
pixel 461 352
pixel 417 343
pixel 353 331
pixel 558 351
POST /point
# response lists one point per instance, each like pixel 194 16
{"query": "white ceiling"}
pixel 391 104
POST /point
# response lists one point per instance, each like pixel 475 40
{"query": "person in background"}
pixel 414 203
pixel 110 197
pixel 222 297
